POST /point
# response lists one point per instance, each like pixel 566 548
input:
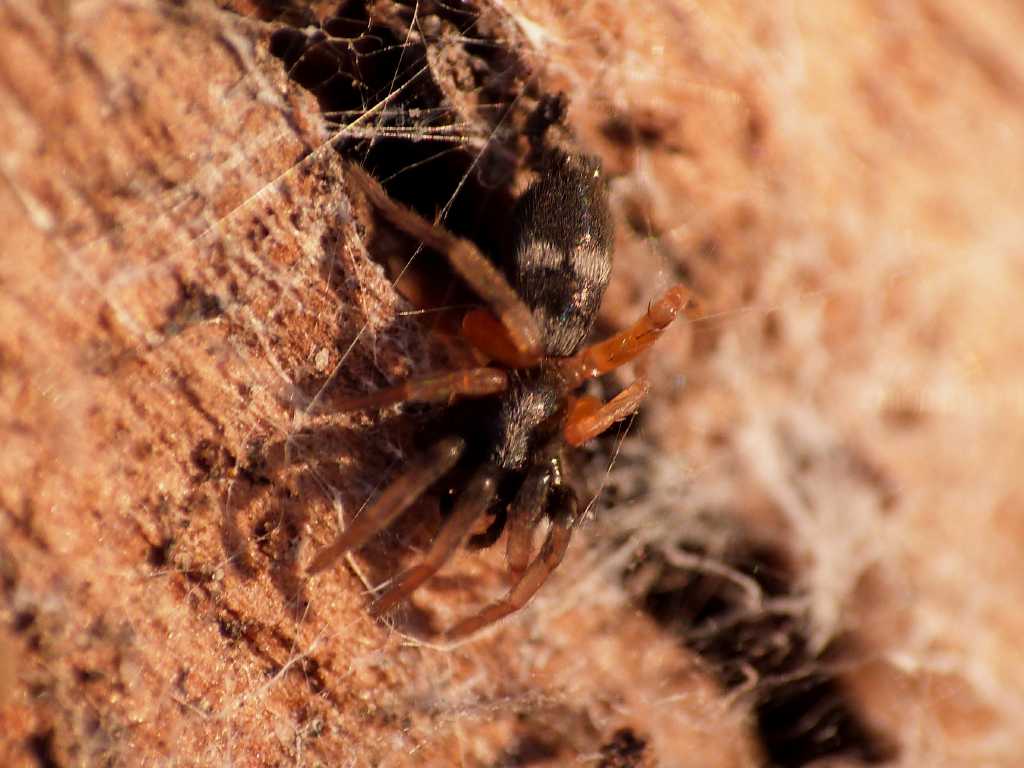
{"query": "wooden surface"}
pixel 182 274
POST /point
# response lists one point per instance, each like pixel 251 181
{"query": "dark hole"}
pixel 230 628
pixel 86 676
pixel 803 712
pixel 427 153
pixel 625 750
pixel 41 747
pixel 23 620
pixel 158 554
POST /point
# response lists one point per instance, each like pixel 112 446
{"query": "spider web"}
pixel 201 289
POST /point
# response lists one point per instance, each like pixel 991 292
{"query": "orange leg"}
pixel 473 503
pixel 588 418
pixel 471 382
pixel 481 329
pixel 583 407
pixel 392 502
pixel 472 266
pixel 626 345
pixel 564 517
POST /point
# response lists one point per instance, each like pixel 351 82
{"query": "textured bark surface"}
pixel 182 275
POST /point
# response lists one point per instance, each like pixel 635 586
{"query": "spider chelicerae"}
pixel 540 310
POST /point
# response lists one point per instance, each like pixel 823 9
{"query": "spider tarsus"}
pixel 665 310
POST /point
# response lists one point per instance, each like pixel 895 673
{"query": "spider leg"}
pixel 626 345
pixel 564 516
pixel 472 382
pixel 523 513
pixel 392 502
pixel 472 266
pixel 486 333
pixel 473 502
pixel 590 418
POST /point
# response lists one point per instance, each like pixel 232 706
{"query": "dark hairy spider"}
pixel 540 312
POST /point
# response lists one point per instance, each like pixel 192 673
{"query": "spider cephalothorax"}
pixel 541 308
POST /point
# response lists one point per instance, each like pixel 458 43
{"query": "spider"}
pixel 533 333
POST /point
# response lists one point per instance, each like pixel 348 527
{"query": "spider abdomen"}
pixel 562 253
